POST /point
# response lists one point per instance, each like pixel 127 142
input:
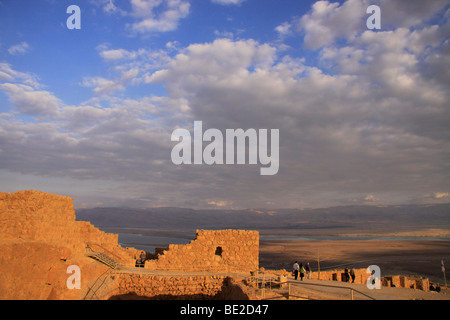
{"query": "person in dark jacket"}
pixel 352 274
pixel 347 276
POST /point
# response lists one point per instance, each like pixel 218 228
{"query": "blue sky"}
pixel 363 114
pixel 52 49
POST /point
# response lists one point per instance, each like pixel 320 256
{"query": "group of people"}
pixel 305 270
pixel 349 274
pixel 302 270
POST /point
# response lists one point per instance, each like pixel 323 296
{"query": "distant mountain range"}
pixel 386 218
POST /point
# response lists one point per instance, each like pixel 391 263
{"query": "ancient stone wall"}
pixel 34 215
pixel 177 287
pixel 361 275
pixel 212 250
pixel 413 282
pixel 39 240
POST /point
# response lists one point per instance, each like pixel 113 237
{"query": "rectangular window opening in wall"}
pixel 219 251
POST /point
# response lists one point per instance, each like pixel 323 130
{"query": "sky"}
pixel 363 114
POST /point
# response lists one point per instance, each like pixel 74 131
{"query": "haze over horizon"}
pixel 267 210
pixel 363 115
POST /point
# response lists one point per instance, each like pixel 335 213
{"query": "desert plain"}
pixel 420 254
pixel 414 252
pixel 401 240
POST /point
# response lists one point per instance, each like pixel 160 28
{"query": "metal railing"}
pixel 267 282
pixel 99 282
pixel 89 246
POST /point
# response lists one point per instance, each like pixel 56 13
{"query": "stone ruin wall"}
pixel 40 238
pixel 212 250
pixel 413 282
pixel 361 277
pixel 178 287
pixel 49 218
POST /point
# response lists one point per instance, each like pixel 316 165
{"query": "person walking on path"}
pixel 347 276
pixel 308 271
pixel 352 274
pixel 296 269
pixel 302 271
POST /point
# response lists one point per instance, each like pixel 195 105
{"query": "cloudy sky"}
pixel 363 115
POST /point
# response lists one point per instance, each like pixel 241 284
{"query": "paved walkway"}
pixel 318 289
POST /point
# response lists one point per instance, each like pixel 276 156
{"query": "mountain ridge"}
pixel 354 217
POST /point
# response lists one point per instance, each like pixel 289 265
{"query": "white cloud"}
pixel 117 54
pixel 32 102
pixel 227 2
pixel 220 204
pixel 20 48
pixel 360 125
pixel 369 121
pixel 144 59
pixel 11 75
pixel 24 94
pixel 371 198
pixel 129 75
pixel 110 8
pixel 224 34
pixel 328 21
pixel 284 28
pixel 127 67
pixel 223 61
pixel 158 15
pixel 149 15
pixel 102 86
pixel 408 13
pixel 143 7
pixel 440 195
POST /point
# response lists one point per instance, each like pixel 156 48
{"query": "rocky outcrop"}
pixel 40 239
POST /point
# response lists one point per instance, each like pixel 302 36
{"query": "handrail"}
pixel 104 274
pixel 270 279
pixel 89 244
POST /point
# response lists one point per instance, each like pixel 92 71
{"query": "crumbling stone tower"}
pixel 213 251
